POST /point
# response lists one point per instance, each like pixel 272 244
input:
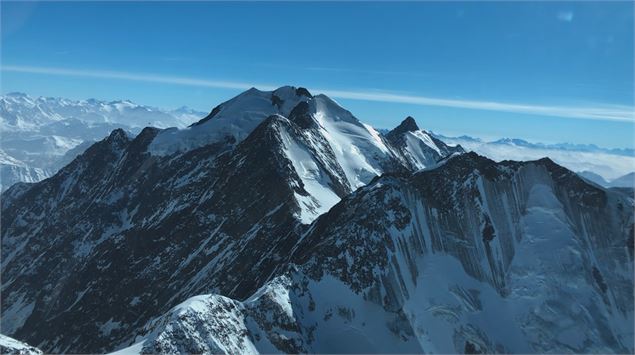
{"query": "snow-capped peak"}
pixel 407 125
pixel 330 150
pixel 231 121
pixel 418 147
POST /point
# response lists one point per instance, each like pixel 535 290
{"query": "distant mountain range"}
pixel 557 146
pixel 40 135
pixel 612 165
pixel 43 134
pixel 280 223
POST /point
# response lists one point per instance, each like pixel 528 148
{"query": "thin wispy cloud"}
pixel 344 70
pixel 380 72
pixel 605 112
pixel 600 112
pixel 153 78
pixel 565 16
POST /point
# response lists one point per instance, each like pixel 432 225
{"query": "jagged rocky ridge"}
pixel 473 256
pixel 140 224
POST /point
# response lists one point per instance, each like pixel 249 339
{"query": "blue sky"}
pixel 543 71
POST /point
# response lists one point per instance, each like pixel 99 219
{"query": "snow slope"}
pixel 315 182
pixel 10 346
pixel 511 257
pixel 358 148
pixel 290 314
pixel 231 121
pixel 418 147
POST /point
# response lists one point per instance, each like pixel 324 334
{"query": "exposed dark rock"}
pixel 300 115
pixel 599 280
pixel 488 231
pixel 276 101
pixel 303 92
pixel 407 125
pixel 471 348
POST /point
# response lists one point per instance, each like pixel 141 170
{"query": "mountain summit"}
pixel 407 125
pixel 418 148
pixel 281 223
pixel 214 207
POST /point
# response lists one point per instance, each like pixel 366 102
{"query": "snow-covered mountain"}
pixel 235 211
pixel 610 164
pixel 38 132
pixel 187 212
pixel 281 223
pixel 471 257
pixel 419 148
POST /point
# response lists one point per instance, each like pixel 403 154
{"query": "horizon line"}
pixel 608 112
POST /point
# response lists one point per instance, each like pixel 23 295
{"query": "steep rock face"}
pixel 528 247
pixel 471 256
pixel 217 216
pixel 177 226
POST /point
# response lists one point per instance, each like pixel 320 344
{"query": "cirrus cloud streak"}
pixel 599 112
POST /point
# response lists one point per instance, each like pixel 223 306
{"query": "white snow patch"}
pixel 321 197
pixel 106 328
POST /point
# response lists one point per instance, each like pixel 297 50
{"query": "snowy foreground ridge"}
pixel 280 223
pixel 14 347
